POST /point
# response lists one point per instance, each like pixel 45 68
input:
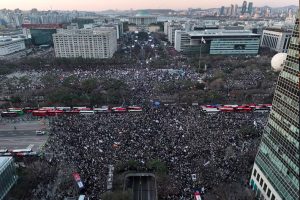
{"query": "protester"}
pixel 214 147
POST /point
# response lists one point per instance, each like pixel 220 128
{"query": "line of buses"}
pixel 245 108
pixel 18 152
pixel 56 111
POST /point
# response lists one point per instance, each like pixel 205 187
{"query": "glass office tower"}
pixel 8 175
pixel 275 174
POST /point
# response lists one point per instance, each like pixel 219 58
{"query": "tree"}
pixel 16 99
pixel 89 85
pixel 157 166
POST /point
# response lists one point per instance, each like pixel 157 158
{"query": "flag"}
pixel 203 41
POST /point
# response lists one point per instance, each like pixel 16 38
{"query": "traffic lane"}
pixel 23 125
pixel 16 133
pixel 143 188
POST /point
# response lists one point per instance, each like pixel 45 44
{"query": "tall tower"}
pixel 222 11
pixel 232 10
pixel 236 7
pixel 275 175
pixel 250 8
pixel 244 7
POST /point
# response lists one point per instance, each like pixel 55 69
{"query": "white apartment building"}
pixel 171 32
pixel 276 40
pixel 166 27
pixel 10 45
pixel 142 19
pixel 182 40
pixel 86 43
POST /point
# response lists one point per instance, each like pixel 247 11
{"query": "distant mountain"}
pixel 287 7
pixel 166 11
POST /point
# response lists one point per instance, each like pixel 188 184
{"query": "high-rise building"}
pixel 244 7
pixel 236 7
pixel 40 34
pixel 86 43
pixel 9 45
pixel 222 11
pixel 268 12
pixel 219 42
pixel 8 175
pixel 171 31
pixel 181 40
pixel 250 8
pixel 276 39
pixel 231 10
pixel 275 175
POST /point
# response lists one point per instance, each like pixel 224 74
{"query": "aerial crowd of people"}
pixel 213 148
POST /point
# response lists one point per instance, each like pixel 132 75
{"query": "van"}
pixel 40 132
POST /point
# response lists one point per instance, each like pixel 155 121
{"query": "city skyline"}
pixel 95 5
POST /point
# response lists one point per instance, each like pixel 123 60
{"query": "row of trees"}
pixel 7 67
pixel 91 92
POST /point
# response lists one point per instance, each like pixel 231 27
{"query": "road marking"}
pixel 30 146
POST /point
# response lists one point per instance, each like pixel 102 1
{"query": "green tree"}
pixel 89 85
pixel 157 166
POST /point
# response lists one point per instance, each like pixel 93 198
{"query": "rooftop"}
pixel 279 30
pixel 94 31
pixel 7 39
pixel 222 32
pixel 4 160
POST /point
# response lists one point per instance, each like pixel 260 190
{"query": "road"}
pixel 21 137
pixel 143 187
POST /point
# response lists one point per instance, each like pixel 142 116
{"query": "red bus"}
pixel 118 109
pixel 40 113
pixel 134 109
pixel 55 112
pixel 226 109
pixel 243 109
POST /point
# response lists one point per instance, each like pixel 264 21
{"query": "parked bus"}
pixel 63 108
pixel 19 111
pixel 103 109
pixel 28 109
pixel 40 113
pixel 118 109
pixel 9 114
pixel 226 109
pixel 86 112
pixel 54 112
pixel 243 109
pixel 211 110
pixel 134 109
pixel 21 151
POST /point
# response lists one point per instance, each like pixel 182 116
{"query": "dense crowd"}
pixel 218 148
pixel 141 81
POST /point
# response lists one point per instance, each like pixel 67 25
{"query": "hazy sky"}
pixel 96 5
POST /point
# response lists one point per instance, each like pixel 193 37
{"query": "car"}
pixel 40 132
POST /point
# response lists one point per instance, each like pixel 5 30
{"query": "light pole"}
pixel 200 56
pixel 201 41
